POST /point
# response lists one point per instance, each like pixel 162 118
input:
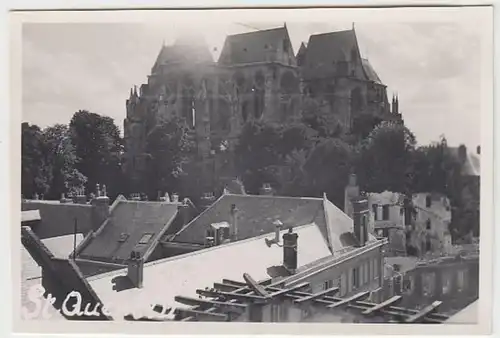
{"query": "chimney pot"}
pixel 290 240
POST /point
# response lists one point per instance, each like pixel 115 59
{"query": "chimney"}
pixel 135 269
pixel 290 250
pixel 100 205
pixel 80 197
pixel 360 218
pixel 462 153
pixel 478 150
pixel 183 210
pixel 351 191
pixel 278 225
pixel 266 190
pixel 234 222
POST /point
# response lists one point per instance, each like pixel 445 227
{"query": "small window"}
pixel 461 280
pixel 123 238
pixel 375 268
pixel 343 285
pixel 327 284
pixel 428 202
pixel 385 212
pixel 428 224
pixel 145 238
pixel 446 282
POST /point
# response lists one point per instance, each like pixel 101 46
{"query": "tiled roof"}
pixel 182 275
pixel 259 46
pixel 128 223
pixel 257 214
pixel 323 50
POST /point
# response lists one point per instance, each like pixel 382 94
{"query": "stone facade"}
pixel 257 77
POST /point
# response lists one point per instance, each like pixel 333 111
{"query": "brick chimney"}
pixel 135 269
pixel 100 204
pixel 266 190
pixel 234 223
pixel 361 214
pixel 290 250
pixel 351 191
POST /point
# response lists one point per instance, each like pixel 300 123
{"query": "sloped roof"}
pixel 196 52
pixel 132 220
pixel 31 272
pixel 259 46
pixel 370 72
pixel 323 50
pixel 257 214
pixel 182 275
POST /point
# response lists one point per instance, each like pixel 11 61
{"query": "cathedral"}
pixel 257 77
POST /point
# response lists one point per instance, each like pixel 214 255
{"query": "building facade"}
pixel 257 77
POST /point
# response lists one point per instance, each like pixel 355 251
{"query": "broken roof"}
pixel 182 275
pixel 257 214
pixel 259 46
pixel 31 272
pixel 132 226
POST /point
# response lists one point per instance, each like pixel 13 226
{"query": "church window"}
pixel 193 114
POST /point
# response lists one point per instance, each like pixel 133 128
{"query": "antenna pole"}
pixel 74 239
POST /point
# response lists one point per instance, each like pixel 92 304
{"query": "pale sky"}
pixel 434 67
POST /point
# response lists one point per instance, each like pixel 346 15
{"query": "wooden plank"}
pixel 235 307
pixel 202 315
pixel 284 292
pixel 407 311
pixel 225 287
pixel 317 295
pixel 252 284
pixel 424 312
pixel 382 305
pixel 210 293
pixel 345 301
pixel 235 283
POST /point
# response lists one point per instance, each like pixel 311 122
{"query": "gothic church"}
pixel 257 77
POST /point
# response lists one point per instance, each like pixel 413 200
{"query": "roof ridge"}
pixel 277 197
pixel 257 31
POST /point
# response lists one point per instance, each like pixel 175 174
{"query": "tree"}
pixel 59 154
pixel 169 150
pixel 98 146
pixel 327 169
pixel 257 154
pixel 320 118
pixel 385 159
pixel 35 177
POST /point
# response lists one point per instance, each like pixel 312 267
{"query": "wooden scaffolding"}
pixel 229 299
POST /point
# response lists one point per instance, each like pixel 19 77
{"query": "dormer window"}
pixel 145 238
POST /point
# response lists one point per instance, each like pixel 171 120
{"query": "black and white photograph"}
pixel 254 166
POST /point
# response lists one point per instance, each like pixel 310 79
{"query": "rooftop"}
pixel 164 279
pixel 256 216
pixel 132 225
pixel 258 46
